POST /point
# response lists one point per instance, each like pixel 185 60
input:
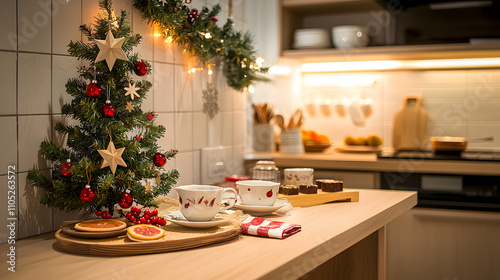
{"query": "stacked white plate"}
pixel 311 38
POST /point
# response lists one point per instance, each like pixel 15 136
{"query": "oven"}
pixel 448 191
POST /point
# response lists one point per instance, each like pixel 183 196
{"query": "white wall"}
pixel 36 68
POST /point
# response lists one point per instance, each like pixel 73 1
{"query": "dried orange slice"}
pixel 100 225
pixel 145 232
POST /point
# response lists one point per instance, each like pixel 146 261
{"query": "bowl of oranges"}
pixel 315 142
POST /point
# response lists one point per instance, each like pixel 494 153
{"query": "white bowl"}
pixel 349 36
pixel 312 38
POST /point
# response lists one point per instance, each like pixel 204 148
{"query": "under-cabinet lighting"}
pixel 453 63
pixel 347 80
pixel 351 66
pixel 280 70
pixel 398 65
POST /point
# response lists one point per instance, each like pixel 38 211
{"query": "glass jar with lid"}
pixel 266 170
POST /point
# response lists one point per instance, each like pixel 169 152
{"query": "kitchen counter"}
pixel 329 232
pixel 368 162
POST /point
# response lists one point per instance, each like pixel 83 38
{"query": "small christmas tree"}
pixel 113 151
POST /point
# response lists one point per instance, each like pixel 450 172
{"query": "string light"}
pixel 193 70
pixel 208 35
pixel 210 72
pixel 169 39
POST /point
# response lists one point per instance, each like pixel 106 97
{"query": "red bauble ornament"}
pixel 214 19
pixel 87 195
pixel 150 116
pixel 159 159
pixel 108 110
pixel 93 89
pixel 126 200
pixel 140 68
pixel 64 168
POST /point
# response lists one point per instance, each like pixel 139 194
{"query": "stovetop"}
pixel 482 155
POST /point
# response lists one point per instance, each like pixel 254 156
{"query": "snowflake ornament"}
pixel 210 101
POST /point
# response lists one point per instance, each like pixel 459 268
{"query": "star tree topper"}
pixel 110 50
pixel 132 90
pixel 112 157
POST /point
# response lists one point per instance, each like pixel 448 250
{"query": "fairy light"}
pixel 168 39
pixel 210 72
pixel 208 35
pixel 260 61
pixel 251 89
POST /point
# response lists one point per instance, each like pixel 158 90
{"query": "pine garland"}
pixel 134 131
pixel 223 45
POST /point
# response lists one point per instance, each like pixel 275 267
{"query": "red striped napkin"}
pixel 267 228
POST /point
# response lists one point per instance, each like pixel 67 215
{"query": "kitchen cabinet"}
pixel 444 244
pixel 297 14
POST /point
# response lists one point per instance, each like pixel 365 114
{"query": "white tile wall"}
pixel 8 25
pixel 34 77
pixel 66 19
pixel 8 79
pixel 34 88
pixel 459 103
pixel 63 68
pixel 34 25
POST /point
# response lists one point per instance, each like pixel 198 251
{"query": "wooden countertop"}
pixel 369 162
pixel 327 230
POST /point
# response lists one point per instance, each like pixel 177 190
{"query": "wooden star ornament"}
pixel 110 50
pixel 129 106
pixel 132 90
pixel 112 157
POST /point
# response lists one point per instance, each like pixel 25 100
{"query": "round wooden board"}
pixel 176 238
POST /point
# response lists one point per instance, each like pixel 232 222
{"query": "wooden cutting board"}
pixel 410 125
pixel 306 200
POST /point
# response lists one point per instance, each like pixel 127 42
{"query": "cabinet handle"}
pixel 459 216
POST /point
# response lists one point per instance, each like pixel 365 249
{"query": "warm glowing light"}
pixel 168 39
pixel 208 35
pixel 251 89
pixel 193 70
pixel 351 66
pixel 260 61
pixel 210 72
pixel 339 80
pixel 404 64
pixel 453 63
pixel 280 70
pixel 222 40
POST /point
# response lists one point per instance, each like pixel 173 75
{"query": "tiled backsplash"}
pixel 459 103
pixel 33 76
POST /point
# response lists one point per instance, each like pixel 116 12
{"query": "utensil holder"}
pixel 291 142
pixel 263 137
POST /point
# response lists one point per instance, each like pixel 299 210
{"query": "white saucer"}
pixel 261 210
pixel 176 217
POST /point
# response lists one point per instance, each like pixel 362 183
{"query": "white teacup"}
pixel 258 193
pixel 298 176
pixel 201 202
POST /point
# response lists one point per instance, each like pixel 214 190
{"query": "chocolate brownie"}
pixel 289 190
pixel 332 185
pixel 312 189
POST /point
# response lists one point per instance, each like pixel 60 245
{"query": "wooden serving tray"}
pixel 306 200
pixel 176 238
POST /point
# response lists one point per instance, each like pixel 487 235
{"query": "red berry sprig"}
pixel 104 214
pixel 149 216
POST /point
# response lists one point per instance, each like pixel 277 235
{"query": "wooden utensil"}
pixel 295 120
pixel 280 121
